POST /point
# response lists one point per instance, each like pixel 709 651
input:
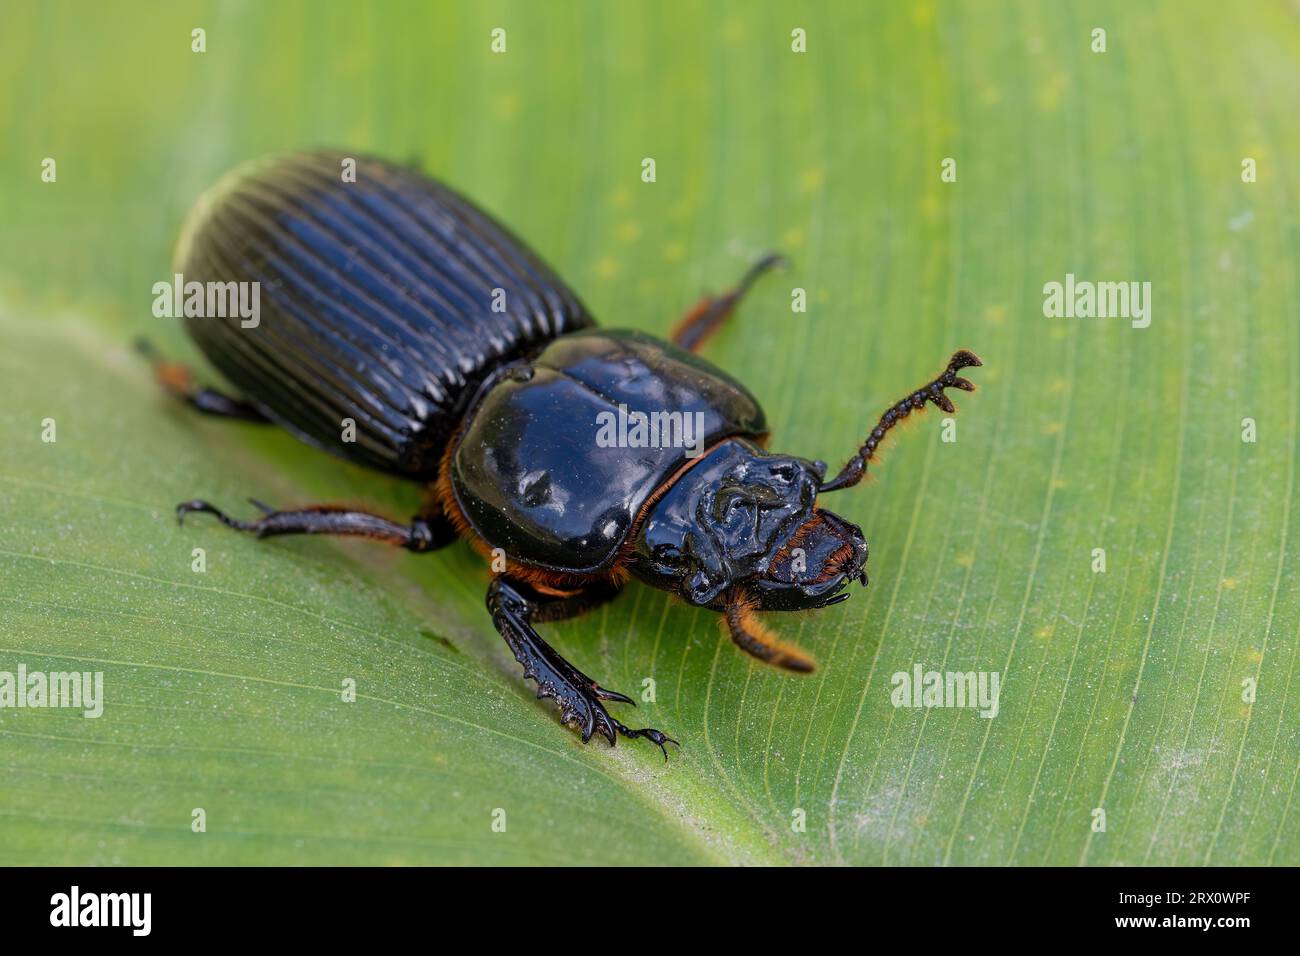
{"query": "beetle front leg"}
pixel 707 315
pixel 514 606
pixel 422 534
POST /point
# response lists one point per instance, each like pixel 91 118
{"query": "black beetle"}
pixel 393 306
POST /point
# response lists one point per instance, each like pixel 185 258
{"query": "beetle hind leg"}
pixel 421 535
pixel 514 606
pixel 709 314
pixel 178 381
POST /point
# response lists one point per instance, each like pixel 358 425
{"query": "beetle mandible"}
pixel 468 366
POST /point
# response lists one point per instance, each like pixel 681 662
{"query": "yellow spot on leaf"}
pixel 507 105
pixel 1051 91
pixel 812 179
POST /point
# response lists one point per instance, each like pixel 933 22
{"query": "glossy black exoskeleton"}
pixel 402 328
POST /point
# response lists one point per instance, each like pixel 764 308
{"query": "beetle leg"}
pixel 755 639
pixel 514 606
pixel 707 315
pixel 177 380
pixel 856 467
pixel 422 534
pixel 547 608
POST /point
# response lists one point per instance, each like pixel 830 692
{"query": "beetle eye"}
pixel 785 471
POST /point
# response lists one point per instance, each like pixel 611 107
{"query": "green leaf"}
pixel 1123 691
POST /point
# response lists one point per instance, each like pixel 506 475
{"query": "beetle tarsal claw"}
pixel 577 695
pixel 657 737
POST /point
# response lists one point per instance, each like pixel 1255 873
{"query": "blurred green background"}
pixel 1122 691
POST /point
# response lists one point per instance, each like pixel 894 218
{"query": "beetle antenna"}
pixel 852 472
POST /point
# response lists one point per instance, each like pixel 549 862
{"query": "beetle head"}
pixel 812 567
pixel 744 517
